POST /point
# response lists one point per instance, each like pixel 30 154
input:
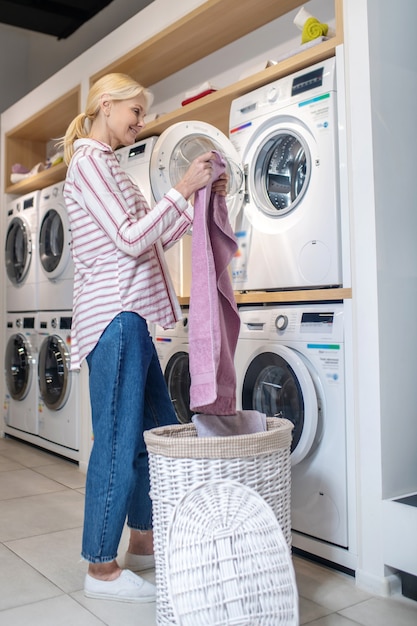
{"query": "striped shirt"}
pixel 117 246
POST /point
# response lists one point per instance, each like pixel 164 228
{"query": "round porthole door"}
pixel 54 372
pixel 177 377
pixel 279 384
pixel 18 363
pixel 18 250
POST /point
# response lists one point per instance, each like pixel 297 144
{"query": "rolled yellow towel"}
pixel 313 29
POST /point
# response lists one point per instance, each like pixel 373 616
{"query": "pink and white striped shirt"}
pixel 117 246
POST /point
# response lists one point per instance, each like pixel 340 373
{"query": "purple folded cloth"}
pixel 242 423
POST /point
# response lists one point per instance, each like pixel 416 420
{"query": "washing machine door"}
pixel 53 372
pixel 279 166
pixel 18 250
pixel 54 242
pixel 179 145
pixel 279 384
pixel 177 377
pixel 18 364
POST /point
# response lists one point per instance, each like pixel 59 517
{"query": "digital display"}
pixel 317 322
pixel 308 81
pixel 137 150
pixel 28 322
pixel 65 323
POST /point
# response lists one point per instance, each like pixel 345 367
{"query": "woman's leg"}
pixel 118 373
pixel 158 411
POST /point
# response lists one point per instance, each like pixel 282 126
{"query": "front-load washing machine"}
pixel 56 272
pixel 288 230
pixel 173 353
pixel 20 367
pixel 290 362
pixel 21 253
pixel 58 406
pixel 136 160
pixel 173 152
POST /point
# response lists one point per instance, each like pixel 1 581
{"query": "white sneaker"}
pixel 128 587
pixel 139 562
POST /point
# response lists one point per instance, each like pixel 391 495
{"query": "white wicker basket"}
pixel 179 460
pixel 228 563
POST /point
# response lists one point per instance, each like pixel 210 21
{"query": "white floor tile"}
pixel 37 515
pixel 66 474
pixel 25 482
pixel 27 455
pixel 384 612
pixel 7 464
pixel 56 556
pixel 21 584
pixel 326 587
pixel 62 610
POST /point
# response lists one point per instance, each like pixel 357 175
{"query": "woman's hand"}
pixel 220 185
pixel 197 176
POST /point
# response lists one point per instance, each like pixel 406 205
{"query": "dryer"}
pixel 288 230
pixel 58 406
pixel 20 367
pixel 56 271
pixel 21 253
pixel 136 160
pixel 290 363
pixel 173 152
pixel 173 353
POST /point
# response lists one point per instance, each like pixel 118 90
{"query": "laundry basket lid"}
pixel 228 563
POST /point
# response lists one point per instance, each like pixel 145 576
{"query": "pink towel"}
pixel 213 317
pixel 242 423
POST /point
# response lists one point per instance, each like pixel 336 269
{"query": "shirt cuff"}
pixel 183 204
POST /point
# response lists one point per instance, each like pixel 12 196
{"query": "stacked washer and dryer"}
pixel 41 404
pixel 290 359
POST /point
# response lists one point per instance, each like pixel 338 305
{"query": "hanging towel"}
pixel 213 316
pixel 242 423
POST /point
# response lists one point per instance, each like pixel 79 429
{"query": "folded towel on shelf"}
pixel 313 29
pixel 213 316
pixel 242 423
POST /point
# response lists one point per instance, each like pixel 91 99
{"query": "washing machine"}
pixel 288 230
pixel 290 363
pixel 173 152
pixel 173 353
pixel 21 253
pixel 136 160
pixel 56 271
pixel 20 368
pixel 58 405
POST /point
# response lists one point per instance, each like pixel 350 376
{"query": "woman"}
pixel 121 282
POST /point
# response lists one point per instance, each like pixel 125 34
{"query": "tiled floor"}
pixel 41 574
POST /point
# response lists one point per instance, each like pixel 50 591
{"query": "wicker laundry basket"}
pixel 228 561
pixel 179 460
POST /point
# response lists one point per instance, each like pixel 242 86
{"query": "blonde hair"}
pixel 117 87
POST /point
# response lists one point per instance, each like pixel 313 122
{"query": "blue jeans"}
pixel 128 395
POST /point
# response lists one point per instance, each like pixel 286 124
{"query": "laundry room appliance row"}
pixel 290 362
pixel 39 269
pixel 283 199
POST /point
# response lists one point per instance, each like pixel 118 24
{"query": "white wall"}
pixel 29 58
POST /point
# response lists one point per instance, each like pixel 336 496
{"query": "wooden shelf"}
pixel 287 297
pixel 209 27
pixel 204 30
pixel 26 144
pixel 214 108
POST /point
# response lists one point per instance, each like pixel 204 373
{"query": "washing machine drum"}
pixel 179 145
pixel 18 366
pixel 279 384
pixel 177 377
pixel 53 372
pixel 54 251
pixel 18 250
pixel 281 172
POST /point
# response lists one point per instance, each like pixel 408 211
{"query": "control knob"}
pixel 281 322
